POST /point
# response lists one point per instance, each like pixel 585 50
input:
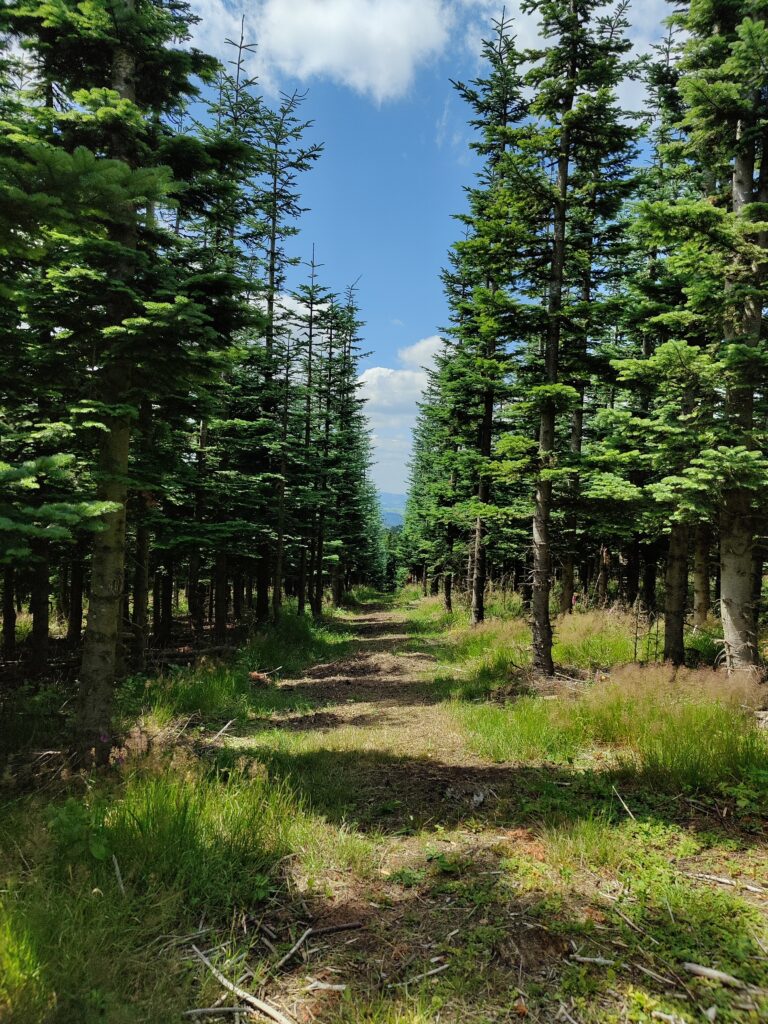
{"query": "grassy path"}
pixel 493 892
pixel 460 856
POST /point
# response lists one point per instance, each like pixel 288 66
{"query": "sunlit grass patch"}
pixel 528 729
pixel 192 845
pixel 593 842
pixel 673 729
pixel 598 639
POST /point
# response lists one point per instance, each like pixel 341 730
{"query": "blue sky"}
pixel 396 160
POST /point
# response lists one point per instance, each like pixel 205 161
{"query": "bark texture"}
pixel 675 593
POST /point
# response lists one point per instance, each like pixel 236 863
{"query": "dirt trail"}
pixel 379 733
pixel 378 697
pixel 434 855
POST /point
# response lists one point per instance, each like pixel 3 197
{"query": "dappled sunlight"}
pixel 569 844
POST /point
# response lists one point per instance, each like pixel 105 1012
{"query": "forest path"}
pixel 379 697
pixel 372 740
pixel 449 889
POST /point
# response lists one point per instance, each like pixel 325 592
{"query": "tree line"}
pixel 596 420
pixel 180 420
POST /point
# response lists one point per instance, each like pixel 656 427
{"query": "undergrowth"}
pixel 223 690
pixel 694 730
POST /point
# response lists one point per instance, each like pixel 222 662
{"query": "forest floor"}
pixel 437 870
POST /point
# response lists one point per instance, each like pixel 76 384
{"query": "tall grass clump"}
pixel 700 746
pixel 592 640
pixel 688 728
pixel 527 730
pixel 680 729
pixel 213 840
pixel 590 842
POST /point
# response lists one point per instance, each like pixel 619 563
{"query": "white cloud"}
pixel 392 396
pixel 422 353
pixel 372 46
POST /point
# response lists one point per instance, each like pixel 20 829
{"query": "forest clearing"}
pixel 466 845
pixel 279 741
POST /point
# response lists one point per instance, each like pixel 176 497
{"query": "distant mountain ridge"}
pixel 392 507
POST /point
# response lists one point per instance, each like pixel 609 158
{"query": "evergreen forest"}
pixel 267 753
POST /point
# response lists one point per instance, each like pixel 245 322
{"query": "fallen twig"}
pixel 723 978
pixel 621 801
pixel 599 960
pixel 294 949
pixel 119 877
pixel 737 884
pixel 324 986
pixel 216 1011
pixel 562 1012
pixel 222 731
pixel 634 927
pixel 419 977
pixel 654 975
pixel 713 975
pixel 258 1004
pixel 327 930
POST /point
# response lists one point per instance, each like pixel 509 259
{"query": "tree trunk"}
pixel 166 601
pixel 40 606
pixel 479 562
pixel 301 589
pixel 317 587
pixel 156 606
pixel 757 589
pixel 480 556
pixel 736 524
pixel 632 584
pixel 675 594
pixel 277 584
pixel 262 584
pixel 701 593
pixel 237 596
pixel 141 595
pixel 603 576
pixel 196 594
pixel 542 550
pixel 222 587
pixel 102 633
pixel 448 591
pixel 736 550
pixel 567 590
pixel 62 592
pixel 9 613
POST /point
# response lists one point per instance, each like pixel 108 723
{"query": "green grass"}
pixel 551 863
pixel 671 735
pixel 592 842
pixel 223 690
pixel 192 845
pixel 525 730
